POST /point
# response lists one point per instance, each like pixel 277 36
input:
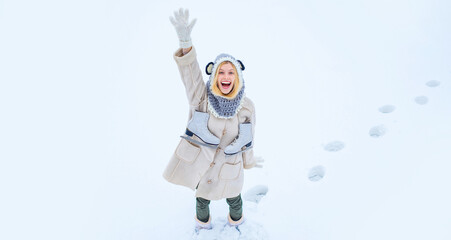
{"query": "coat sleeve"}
pixel 191 76
pixel 248 156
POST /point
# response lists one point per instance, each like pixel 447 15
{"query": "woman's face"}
pixel 226 78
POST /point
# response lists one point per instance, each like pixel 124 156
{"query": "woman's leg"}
pixel 202 209
pixel 235 207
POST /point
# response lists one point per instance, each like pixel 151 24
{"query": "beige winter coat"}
pixel 215 175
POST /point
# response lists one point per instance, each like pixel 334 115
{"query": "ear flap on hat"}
pixel 241 65
pixel 209 68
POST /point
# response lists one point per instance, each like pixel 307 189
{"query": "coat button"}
pixel 209 181
pixel 212 164
pixel 224 132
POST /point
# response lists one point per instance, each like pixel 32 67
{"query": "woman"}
pixel 217 144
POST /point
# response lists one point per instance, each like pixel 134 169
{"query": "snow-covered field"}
pixel 353 103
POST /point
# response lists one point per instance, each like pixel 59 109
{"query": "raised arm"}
pixel 186 58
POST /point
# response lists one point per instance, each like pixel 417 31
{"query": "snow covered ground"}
pixel 353 102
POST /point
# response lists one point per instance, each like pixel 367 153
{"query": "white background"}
pixel 92 106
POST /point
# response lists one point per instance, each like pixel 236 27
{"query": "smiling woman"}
pixel 218 142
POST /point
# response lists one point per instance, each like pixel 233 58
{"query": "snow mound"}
pixel 387 109
pixel 334 146
pixel 221 230
pixel 256 193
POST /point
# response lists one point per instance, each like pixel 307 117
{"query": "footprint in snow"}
pixel 256 193
pixel 334 146
pixel 422 100
pixel 316 173
pixel 378 131
pixel 433 83
pixel 387 109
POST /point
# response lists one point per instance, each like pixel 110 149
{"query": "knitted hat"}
pixel 225 105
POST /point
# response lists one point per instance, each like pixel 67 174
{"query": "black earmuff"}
pixel 209 68
pixel 241 64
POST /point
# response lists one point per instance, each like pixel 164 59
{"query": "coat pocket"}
pixel 187 151
pixel 188 164
pixel 230 171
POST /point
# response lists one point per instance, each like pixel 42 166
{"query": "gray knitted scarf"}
pixel 222 107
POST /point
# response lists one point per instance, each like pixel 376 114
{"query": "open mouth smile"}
pixel 226 84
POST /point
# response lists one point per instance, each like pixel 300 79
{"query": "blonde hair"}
pixel 236 85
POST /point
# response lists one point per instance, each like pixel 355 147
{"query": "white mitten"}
pixel 182 27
